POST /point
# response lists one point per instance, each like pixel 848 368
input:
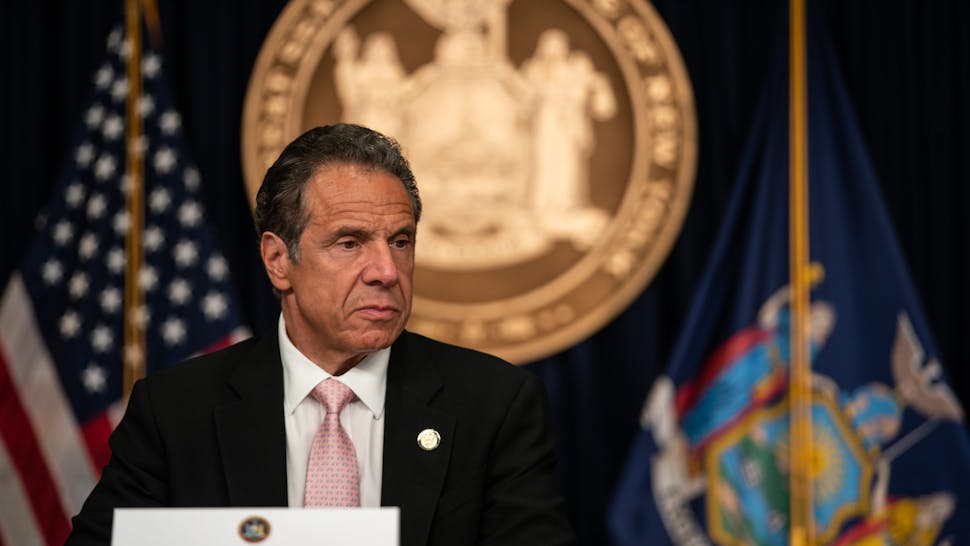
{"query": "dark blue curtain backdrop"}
pixel 906 66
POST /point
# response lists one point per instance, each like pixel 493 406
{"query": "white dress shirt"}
pixel 363 419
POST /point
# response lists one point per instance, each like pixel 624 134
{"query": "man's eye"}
pixel 347 245
pixel 401 243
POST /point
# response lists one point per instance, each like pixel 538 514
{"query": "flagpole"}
pixel 134 348
pixel 802 525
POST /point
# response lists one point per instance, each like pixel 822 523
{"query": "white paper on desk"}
pixel 284 526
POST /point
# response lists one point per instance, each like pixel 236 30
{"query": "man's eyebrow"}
pixel 364 234
pixel 406 230
pixel 347 231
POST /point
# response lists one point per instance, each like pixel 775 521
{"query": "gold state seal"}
pixel 554 143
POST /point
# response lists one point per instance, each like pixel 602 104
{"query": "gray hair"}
pixel 279 202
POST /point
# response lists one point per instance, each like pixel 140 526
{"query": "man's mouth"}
pixel 378 312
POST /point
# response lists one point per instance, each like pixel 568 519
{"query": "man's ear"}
pixel 276 260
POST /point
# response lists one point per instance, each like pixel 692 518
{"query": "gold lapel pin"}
pixel 429 439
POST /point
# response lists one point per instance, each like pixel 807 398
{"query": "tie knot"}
pixel 333 394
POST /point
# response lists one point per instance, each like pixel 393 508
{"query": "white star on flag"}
pixel 93 117
pixel 113 127
pixel 170 122
pixel 84 155
pixel 124 49
pixel 103 78
pixel 217 268
pixel 159 200
pixel 63 233
pixel 101 339
pixel 173 331
pixel 52 271
pixel 148 278
pixel 110 300
pixel 192 178
pixel 121 223
pixel 74 195
pixel 116 260
pixel 190 214
pixel 185 253
pixel 88 246
pixel 96 206
pixel 94 378
pixel 78 285
pixel 70 324
pixel 154 238
pixel 146 105
pixel 104 167
pixel 151 64
pixel 214 305
pixel 119 90
pixel 179 292
pixel 165 160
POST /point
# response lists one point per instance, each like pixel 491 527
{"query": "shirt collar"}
pixel 368 379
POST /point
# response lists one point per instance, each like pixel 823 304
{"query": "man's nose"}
pixel 381 267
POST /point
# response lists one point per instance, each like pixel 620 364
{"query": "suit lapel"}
pixel 413 477
pixel 252 438
pixel 250 429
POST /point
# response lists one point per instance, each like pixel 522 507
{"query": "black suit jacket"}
pixel 210 432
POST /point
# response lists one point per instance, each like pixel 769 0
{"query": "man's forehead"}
pixel 335 171
pixel 351 181
pixel 360 210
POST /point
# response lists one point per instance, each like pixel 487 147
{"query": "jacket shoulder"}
pixel 207 374
pixel 462 365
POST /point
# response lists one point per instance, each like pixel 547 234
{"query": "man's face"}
pixel 348 293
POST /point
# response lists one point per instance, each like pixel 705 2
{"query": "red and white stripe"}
pixel 48 462
pixel 47 472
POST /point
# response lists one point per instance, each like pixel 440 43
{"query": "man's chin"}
pixel 375 340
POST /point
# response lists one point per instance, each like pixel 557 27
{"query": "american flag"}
pixel 62 313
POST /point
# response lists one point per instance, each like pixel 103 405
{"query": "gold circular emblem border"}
pixel 655 202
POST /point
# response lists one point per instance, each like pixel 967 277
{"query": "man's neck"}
pixel 341 366
pixel 334 362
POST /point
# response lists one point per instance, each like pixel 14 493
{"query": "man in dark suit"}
pixel 460 440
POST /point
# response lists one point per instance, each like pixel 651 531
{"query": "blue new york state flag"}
pixel 890 452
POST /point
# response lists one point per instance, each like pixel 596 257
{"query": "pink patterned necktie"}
pixel 332 476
